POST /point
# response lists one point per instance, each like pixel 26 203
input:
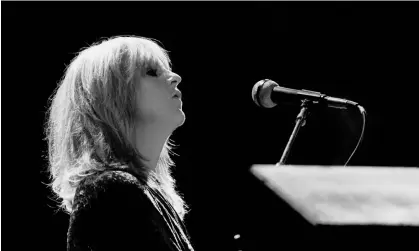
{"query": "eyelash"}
pixel 152 72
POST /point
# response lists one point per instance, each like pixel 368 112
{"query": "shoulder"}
pixel 107 207
pixel 107 187
pixel 111 178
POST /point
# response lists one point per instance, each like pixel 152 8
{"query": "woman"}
pixel 108 131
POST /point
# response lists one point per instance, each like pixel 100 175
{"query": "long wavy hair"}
pixel 91 119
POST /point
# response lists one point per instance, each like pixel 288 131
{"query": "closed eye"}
pixel 151 72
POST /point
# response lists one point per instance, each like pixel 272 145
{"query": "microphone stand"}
pixel 299 122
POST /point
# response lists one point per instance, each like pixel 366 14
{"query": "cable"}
pixel 364 114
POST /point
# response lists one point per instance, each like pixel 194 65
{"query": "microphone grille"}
pixel 261 93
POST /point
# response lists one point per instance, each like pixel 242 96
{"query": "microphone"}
pixel 267 94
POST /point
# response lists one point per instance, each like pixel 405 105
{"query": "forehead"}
pixel 156 63
pixel 152 55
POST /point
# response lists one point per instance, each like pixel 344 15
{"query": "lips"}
pixel 177 94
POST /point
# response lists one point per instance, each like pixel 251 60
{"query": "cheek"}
pixel 142 103
pixel 151 102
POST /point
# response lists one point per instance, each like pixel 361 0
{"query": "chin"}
pixel 180 117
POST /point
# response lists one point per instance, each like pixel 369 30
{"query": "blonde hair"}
pixel 92 114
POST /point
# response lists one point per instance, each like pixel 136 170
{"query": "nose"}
pixel 174 79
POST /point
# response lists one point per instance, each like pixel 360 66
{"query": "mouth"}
pixel 177 95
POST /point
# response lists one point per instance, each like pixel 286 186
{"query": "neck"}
pixel 149 141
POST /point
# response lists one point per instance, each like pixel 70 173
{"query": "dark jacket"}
pixel 112 210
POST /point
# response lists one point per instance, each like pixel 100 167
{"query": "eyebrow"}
pixel 165 65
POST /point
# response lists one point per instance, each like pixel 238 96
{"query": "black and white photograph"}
pixel 209 125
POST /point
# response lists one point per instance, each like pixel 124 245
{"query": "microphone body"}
pixel 266 93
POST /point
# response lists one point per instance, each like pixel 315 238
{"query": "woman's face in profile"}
pixel 158 98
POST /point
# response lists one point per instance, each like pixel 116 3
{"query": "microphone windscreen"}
pixel 261 93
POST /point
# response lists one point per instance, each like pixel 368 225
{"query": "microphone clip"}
pixel 299 122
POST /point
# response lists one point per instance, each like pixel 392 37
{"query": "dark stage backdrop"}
pixel 366 52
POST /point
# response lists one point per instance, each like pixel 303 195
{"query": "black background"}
pixel 366 52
